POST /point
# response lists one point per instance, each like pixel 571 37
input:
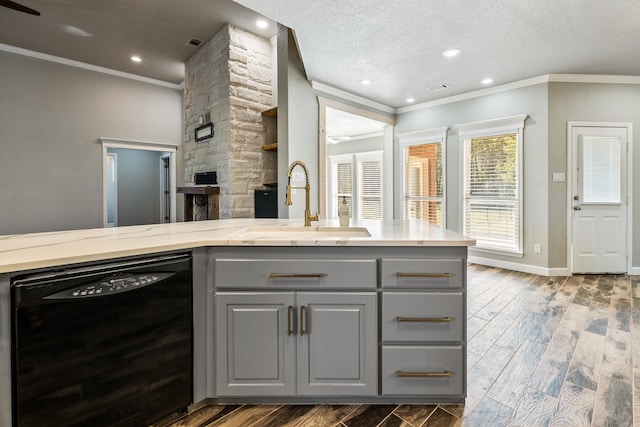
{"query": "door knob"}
pixel 577 208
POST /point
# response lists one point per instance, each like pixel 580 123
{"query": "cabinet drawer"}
pixel 301 274
pixel 423 272
pixel 422 316
pixel 423 370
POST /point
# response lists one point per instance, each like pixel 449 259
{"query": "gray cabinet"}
pixel 435 370
pixel 334 324
pixel 337 344
pixel 254 354
pixel 287 343
pixel 423 321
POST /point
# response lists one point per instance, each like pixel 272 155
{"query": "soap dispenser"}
pixel 343 213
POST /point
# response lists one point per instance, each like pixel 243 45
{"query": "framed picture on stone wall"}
pixel 204 132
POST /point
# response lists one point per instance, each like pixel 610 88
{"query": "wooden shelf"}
pixel 194 196
pixel 270 184
pixel 199 190
pixel 270 147
pixel 273 112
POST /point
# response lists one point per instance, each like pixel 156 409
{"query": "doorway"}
pixel 162 205
pixel 357 137
pixel 599 215
pixel 112 189
pixel 165 187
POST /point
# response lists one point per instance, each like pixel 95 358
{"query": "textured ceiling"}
pixel 398 45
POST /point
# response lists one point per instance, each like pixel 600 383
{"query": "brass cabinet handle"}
pixel 431 275
pixel 294 275
pixel 402 374
pixel 290 311
pixel 302 319
pixel 425 319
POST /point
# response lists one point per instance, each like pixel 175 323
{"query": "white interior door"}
pixel 112 190
pixel 599 199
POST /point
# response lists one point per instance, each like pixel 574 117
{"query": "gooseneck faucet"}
pixel 307 189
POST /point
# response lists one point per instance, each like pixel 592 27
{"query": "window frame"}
pixel 488 128
pixel 423 137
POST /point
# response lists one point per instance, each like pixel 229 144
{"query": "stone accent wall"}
pixel 230 78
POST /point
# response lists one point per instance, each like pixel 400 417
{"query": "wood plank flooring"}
pixel 543 351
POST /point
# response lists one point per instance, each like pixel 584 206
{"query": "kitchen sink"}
pixel 300 233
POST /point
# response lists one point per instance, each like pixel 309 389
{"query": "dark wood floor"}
pixel 543 351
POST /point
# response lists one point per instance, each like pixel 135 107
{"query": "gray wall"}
pixel 587 102
pixel 531 100
pixel 51 118
pixel 297 127
pixel 550 107
pixel 138 178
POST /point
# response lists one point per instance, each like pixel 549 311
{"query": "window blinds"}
pixel 370 189
pixel 492 192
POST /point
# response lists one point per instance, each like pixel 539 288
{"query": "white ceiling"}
pixel 395 44
pixel 343 126
pixel 398 45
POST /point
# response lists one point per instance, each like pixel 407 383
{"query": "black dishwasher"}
pixel 103 345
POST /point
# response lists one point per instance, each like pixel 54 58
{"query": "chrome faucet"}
pixel 307 189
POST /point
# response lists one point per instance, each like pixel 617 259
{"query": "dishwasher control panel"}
pixel 111 285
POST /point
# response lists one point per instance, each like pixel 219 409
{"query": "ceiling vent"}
pixel 194 42
pixel 436 88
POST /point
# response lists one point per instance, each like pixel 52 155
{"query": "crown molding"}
pixel 547 78
pixel 475 94
pixel 593 78
pixel 330 90
pixel 85 66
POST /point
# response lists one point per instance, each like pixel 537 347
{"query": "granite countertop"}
pixel 37 250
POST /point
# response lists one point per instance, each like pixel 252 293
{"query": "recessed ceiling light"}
pixel 411 100
pixel 486 81
pixel 365 82
pixel 450 53
pixel 261 23
pixel 136 58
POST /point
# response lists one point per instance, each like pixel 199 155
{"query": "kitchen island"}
pixel 375 312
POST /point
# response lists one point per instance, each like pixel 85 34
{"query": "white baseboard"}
pixel 525 268
pixel 635 271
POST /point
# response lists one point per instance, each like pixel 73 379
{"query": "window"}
pixel 358 178
pixel 492 205
pixel 423 175
pixel 369 185
pixel 600 175
pixel 344 176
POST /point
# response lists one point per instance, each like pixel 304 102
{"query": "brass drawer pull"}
pixel 290 312
pixel 424 374
pixel 425 319
pixel 429 275
pixel 294 275
pixel 303 312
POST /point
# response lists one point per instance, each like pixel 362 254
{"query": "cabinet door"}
pixel 254 353
pixel 337 337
